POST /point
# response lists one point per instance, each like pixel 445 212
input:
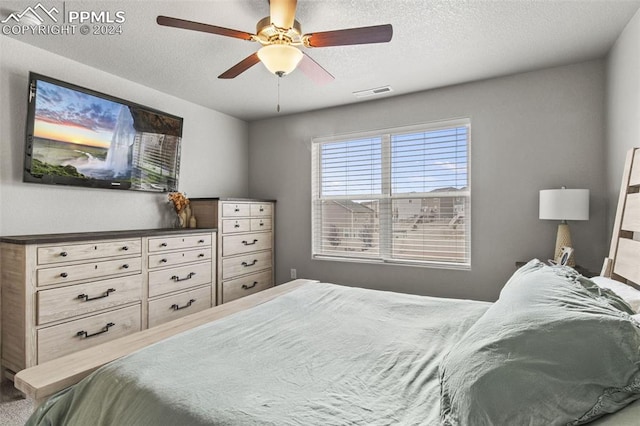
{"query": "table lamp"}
pixel 564 204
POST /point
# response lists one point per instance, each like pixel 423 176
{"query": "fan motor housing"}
pixel 270 34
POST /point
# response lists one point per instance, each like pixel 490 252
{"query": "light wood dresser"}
pixel 65 292
pixel 181 275
pixel 245 243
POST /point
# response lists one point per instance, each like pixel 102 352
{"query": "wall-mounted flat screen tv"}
pixel 77 136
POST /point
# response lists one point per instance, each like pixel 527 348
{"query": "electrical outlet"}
pixel 294 274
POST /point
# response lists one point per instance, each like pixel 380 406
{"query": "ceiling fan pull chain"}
pixel 279 78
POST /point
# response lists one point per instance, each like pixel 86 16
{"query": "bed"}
pixel 556 348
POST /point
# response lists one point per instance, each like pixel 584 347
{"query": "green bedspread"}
pixel 320 355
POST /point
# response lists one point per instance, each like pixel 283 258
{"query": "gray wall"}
pixel 214 154
pixel 531 131
pixel 623 108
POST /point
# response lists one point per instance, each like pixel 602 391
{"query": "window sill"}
pixel 430 265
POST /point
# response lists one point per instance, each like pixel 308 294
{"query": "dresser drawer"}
pixel 180 278
pixel 179 242
pixel 87 271
pixel 263 224
pixel 229 226
pixel 78 252
pixel 260 209
pixel 235 209
pixel 63 339
pixel 235 289
pixel 245 264
pixel 66 302
pixel 179 305
pixel 240 244
pixel 179 257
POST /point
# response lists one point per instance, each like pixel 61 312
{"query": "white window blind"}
pixel 398 195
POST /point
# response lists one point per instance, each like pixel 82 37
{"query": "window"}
pixel 397 196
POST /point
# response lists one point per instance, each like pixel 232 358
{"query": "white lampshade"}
pixel 564 204
pixel 280 58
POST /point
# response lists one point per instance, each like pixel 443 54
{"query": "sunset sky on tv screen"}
pixel 67 115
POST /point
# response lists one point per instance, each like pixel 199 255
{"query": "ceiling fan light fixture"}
pixel 280 59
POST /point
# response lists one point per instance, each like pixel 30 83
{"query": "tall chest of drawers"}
pixel 62 293
pixel 245 243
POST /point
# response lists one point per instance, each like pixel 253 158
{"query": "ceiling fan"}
pixel 280 35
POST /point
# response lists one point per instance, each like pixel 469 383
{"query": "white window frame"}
pixel 385 199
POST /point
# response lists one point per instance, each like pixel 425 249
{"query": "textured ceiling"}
pixel 435 43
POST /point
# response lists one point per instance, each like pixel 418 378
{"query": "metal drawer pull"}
pixel 64 254
pixel 175 307
pixel 200 241
pixel 261 209
pixel 163 245
pixel 105 294
pixel 261 223
pixel 87 335
pixel 188 277
pixel 64 275
pixel 249 244
pixel 237 225
pixel 201 255
pixel 247 287
pixel 125 248
pixel 163 260
pixel 236 209
pixel 125 266
pixel 245 264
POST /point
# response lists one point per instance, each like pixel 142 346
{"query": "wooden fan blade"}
pixel 314 70
pixel 241 66
pixel 362 35
pixel 205 28
pixel 282 13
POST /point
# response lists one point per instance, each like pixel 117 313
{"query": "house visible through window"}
pixel 399 195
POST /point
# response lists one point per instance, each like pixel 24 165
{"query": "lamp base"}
pixel 563 239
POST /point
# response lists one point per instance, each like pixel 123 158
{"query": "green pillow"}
pixel 551 351
pixel 600 292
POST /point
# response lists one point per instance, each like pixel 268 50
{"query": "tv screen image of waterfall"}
pixel 97 141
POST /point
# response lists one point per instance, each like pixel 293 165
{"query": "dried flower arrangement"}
pixel 183 210
pixel 179 200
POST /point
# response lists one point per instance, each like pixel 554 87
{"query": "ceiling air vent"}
pixel 373 92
